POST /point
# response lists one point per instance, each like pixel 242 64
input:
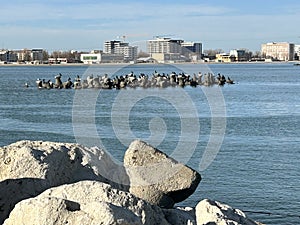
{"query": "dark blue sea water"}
pixel 256 122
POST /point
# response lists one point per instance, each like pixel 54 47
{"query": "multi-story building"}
pixel 30 55
pixel 8 56
pixel 36 54
pixel 191 49
pixel 282 51
pixel 166 49
pixel 130 52
pixel 110 46
pixel 121 48
pixel 3 56
pixel 297 52
pixel 164 45
pixel 23 55
pixel 238 54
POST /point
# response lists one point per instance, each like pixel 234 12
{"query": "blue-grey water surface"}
pixel 257 167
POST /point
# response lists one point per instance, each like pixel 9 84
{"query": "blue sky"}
pixel 86 24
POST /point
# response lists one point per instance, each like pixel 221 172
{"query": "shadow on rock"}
pixel 13 191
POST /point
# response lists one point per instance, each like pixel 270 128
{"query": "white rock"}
pixel 30 167
pixel 156 177
pixel 213 212
pixel 53 210
pixel 97 200
pixel 56 163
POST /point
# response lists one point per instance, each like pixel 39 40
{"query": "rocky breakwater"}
pixel 64 183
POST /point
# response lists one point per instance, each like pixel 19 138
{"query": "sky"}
pixel 85 24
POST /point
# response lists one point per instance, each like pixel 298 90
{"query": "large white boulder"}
pixel 56 163
pixel 213 212
pixel 30 167
pixel 156 177
pixel 42 211
pixel 85 202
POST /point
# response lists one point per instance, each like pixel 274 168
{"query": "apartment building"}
pixel 166 49
pixel 36 54
pixel 130 52
pixel 33 55
pixel 164 45
pixel 297 52
pixel 191 49
pixel 110 46
pixel 121 48
pixel 8 56
pixel 282 51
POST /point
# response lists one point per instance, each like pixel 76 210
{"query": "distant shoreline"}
pixel 125 64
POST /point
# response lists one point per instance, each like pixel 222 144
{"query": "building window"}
pixel 89 57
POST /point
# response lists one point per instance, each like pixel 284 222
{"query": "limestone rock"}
pixel 213 212
pixel 156 177
pixel 30 167
pixel 90 199
pixel 60 211
pixel 33 170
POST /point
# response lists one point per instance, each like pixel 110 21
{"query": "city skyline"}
pixel 86 25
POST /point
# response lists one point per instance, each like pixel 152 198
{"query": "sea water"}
pixel 254 126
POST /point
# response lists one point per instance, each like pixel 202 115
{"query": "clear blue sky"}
pixel 86 24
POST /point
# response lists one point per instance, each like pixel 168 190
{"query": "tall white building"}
pixel 130 52
pixel 167 49
pixel 164 45
pixel 110 46
pixel 121 48
pixel 283 51
pixel 23 55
